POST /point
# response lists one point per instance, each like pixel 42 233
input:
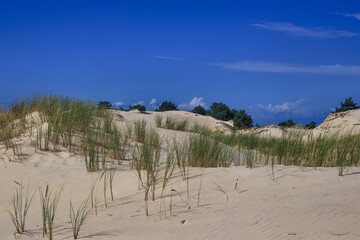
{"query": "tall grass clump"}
pixel 205 151
pixel 119 144
pixel 168 172
pixel 171 123
pixel 49 201
pixel 200 129
pixel 145 160
pixel 334 150
pixel 158 121
pixel 139 130
pixel 78 217
pixel 20 205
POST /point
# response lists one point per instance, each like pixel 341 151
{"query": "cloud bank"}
pixel 168 58
pixel 196 101
pixel 285 107
pixel 118 104
pixel 274 67
pixel 313 32
pixel 354 15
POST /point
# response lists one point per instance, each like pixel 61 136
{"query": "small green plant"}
pixel 111 173
pixel 78 217
pixel 146 163
pixel 140 130
pixel 249 158
pixel 49 201
pixel 158 121
pixel 168 172
pixel 105 176
pixel 21 203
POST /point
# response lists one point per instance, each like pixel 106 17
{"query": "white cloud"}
pixel 273 67
pixel 355 15
pixel 168 58
pixel 314 32
pixel 284 107
pixel 138 103
pixel 153 101
pixel 118 104
pixel 196 101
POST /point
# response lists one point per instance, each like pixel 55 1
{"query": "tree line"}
pixel 221 111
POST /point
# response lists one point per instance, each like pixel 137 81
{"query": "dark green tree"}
pixel 166 106
pixel 104 104
pixel 310 125
pixel 139 107
pixel 348 104
pixel 199 110
pixel 287 123
pixel 242 120
pixel 220 111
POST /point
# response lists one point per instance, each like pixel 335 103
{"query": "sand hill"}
pixel 224 203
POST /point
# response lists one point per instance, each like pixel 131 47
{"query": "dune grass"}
pixel 139 130
pixel 146 163
pixel 171 123
pixel 49 201
pixel 205 151
pixel 82 127
pixel 78 217
pixel 322 151
pixel 20 205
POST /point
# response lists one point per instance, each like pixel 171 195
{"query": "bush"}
pixel 242 120
pixel 199 110
pixel 287 123
pixel 220 111
pixel 167 106
pixel 104 104
pixel 310 125
pixel 348 104
pixel 139 107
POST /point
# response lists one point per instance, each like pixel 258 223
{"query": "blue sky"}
pixel 275 59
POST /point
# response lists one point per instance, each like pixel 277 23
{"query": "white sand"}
pixel 299 204
pixel 344 123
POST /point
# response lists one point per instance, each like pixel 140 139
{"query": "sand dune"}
pixel 234 203
pixel 343 123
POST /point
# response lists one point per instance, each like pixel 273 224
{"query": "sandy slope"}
pixel 299 204
pixel 344 123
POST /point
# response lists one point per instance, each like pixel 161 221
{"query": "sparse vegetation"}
pixel 348 104
pixel 242 120
pixel 20 206
pixel 78 217
pixel 178 125
pixel 104 104
pixel 167 106
pixel 146 163
pixel 49 201
pixel 287 123
pixel 199 110
pixel 139 130
pixel 310 125
pixel 139 107
pixel 220 111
